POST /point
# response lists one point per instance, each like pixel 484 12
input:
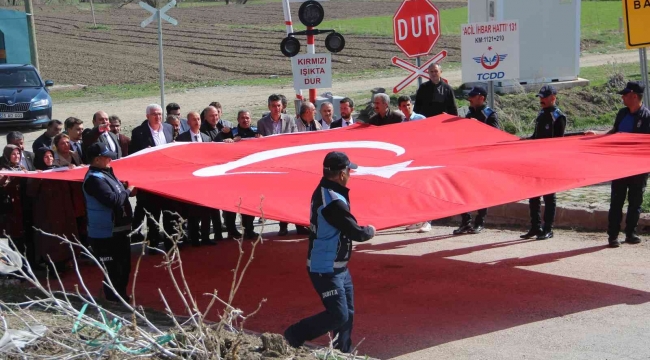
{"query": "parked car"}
pixel 24 96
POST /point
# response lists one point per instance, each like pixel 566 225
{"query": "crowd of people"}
pixel 62 208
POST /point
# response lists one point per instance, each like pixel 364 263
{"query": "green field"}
pixel 599 25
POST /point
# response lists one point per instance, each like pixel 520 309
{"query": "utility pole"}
pixel 33 49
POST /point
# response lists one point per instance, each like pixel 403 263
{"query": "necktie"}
pixel 196 138
pixel 347 123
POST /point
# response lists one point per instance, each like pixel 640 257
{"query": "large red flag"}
pixel 408 172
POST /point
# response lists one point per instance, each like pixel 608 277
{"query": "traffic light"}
pixel 311 14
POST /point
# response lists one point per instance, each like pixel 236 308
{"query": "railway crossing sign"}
pixel 159 14
pixel 416 72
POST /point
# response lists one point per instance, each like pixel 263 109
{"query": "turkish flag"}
pixel 409 172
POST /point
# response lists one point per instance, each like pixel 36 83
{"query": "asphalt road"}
pixel 436 296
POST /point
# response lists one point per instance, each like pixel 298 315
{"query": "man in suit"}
pixel 100 133
pixel 306 118
pixel 275 122
pixel 116 128
pixel 74 128
pixel 54 128
pixel 212 125
pixel 26 157
pixel 175 109
pixel 346 109
pixel 152 132
pixel 196 213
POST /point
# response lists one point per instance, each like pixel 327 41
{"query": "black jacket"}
pixel 550 123
pixel 141 137
pixel 332 229
pixel 187 137
pixel 641 120
pixel 94 136
pixel 29 160
pixel 42 141
pixel 213 133
pixel 250 132
pixel 485 115
pixel 432 99
pixel 107 203
pixel 391 117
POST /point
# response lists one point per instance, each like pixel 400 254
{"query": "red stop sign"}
pixel 416 27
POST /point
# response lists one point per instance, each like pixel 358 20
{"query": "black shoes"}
pixel 463 229
pixel 234 234
pixel 632 239
pixel 546 234
pixel 613 242
pixel 533 232
pixel 283 232
pixel 476 229
pixel 251 235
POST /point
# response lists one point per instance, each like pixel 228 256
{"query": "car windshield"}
pixel 17 78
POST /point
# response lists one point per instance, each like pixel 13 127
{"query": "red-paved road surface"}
pixel 435 296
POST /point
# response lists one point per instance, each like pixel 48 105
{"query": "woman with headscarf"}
pixel 10 197
pixel 63 154
pixel 54 214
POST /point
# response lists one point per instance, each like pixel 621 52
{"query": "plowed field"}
pixel 209 43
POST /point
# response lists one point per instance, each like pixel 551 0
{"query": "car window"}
pixel 11 78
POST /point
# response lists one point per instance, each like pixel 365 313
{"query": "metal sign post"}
pixel 159 14
pixel 643 57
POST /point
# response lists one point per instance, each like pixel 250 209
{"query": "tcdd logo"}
pixel 490 61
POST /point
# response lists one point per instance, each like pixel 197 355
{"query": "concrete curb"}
pixel 584 219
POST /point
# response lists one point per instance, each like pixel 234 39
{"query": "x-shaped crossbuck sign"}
pixel 160 12
pixel 415 71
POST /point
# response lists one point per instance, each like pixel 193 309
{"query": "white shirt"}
pixel 324 125
pixel 23 161
pixel 344 123
pixel 110 142
pixel 196 137
pixel 158 136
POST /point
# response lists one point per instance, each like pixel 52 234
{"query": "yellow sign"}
pixel 637 19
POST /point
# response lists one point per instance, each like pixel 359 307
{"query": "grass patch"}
pixel 599 75
pixel 645 207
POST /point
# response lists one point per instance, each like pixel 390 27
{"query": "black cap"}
pixel 477 90
pixel 336 160
pixel 100 149
pixel 546 91
pixel 633 86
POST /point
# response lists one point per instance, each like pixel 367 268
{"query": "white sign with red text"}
pixel 312 71
pixel 490 51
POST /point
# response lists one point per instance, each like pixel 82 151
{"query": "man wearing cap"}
pixel 550 123
pixel 109 218
pixel 633 118
pixel 332 230
pixel 480 111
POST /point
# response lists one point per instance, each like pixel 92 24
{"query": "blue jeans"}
pixel 337 294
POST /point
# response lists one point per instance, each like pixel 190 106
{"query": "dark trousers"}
pixel 247 222
pixel 283 225
pixel 153 204
pixel 115 253
pixel 466 218
pixel 535 206
pixel 210 216
pixel 337 294
pixel 633 187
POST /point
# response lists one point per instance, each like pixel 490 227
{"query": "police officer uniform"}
pixel 333 228
pixel 487 116
pixel 633 186
pixel 550 123
pixel 109 221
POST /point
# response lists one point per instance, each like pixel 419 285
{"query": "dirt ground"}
pixel 209 43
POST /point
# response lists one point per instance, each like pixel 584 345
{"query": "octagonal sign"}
pixel 416 27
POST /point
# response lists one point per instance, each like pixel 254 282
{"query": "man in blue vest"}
pixel 332 230
pixel 109 219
